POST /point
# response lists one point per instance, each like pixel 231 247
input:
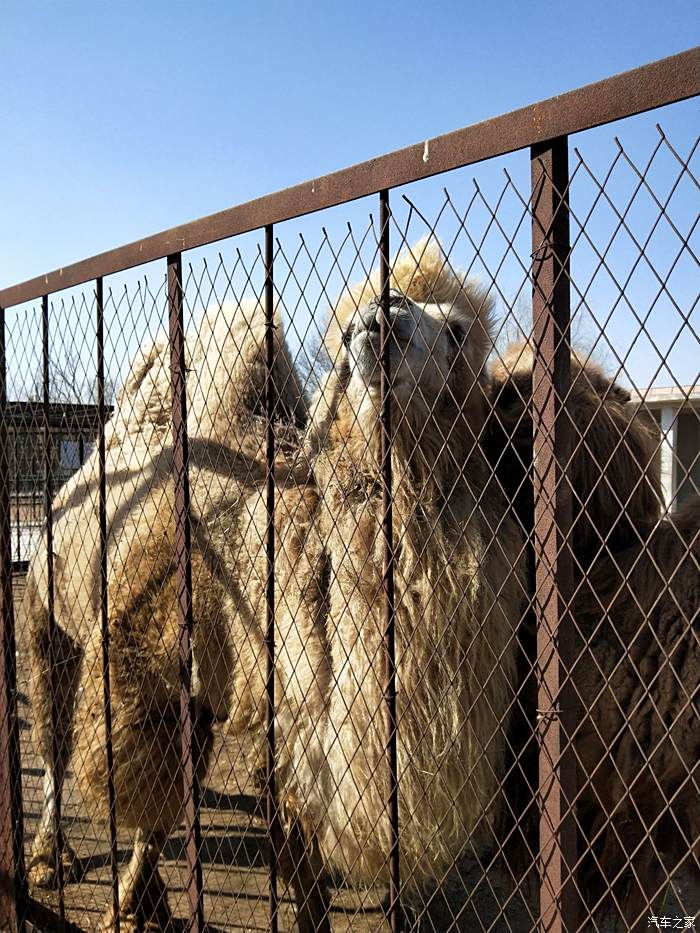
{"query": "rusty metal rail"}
pixel 13 896
pixel 104 596
pixel 55 669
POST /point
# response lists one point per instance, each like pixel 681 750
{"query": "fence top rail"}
pixel 666 81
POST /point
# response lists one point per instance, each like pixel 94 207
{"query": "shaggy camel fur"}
pixel 458 582
pixel 614 478
pixel 638 615
pixel 459 590
pixel 637 749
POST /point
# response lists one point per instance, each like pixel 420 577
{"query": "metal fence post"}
pixel 553 561
pixel 270 403
pixel 15 432
pixel 388 567
pixel 54 672
pixel 104 608
pixel 183 552
pixel 13 884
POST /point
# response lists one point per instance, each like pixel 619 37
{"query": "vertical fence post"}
pixel 13 884
pixel 54 671
pixel 104 608
pixel 183 551
pixel 17 504
pixel 270 401
pixel 388 566
pixel 551 380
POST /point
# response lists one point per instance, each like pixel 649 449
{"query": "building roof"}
pixel 30 415
pixel 673 395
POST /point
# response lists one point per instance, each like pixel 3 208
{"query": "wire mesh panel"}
pixel 356 564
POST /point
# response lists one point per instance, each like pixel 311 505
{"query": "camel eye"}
pixel 456 336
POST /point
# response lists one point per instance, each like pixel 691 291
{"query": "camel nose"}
pixel 371 315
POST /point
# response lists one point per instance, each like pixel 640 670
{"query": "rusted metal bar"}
pixel 559 906
pixel 54 671
pixel 654 85
pixel 17 506
pixel 388 566
pixel 183 551
pixel 18 531
pixel 270 403
pixel 13 890
pixel 104 607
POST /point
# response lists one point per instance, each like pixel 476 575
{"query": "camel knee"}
pixel 142 868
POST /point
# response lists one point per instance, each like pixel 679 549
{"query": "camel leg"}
pixel 143 902
pixel 49 844
pixel 300 865
pixel 53 728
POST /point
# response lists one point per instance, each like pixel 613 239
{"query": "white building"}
pixel 677 412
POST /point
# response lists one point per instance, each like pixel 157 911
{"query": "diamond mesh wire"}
pixel 464 553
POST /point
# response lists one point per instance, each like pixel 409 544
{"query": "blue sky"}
pixel 120 119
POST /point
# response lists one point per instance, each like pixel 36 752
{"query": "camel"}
pixel 459 592
pixel 637 583
pixel 227 456
pixel 457 573
pixel 458 581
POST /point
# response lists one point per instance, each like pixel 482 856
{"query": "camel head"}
pixel 428 349
pixel 439 333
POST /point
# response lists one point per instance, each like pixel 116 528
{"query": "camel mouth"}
pixel 364 356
